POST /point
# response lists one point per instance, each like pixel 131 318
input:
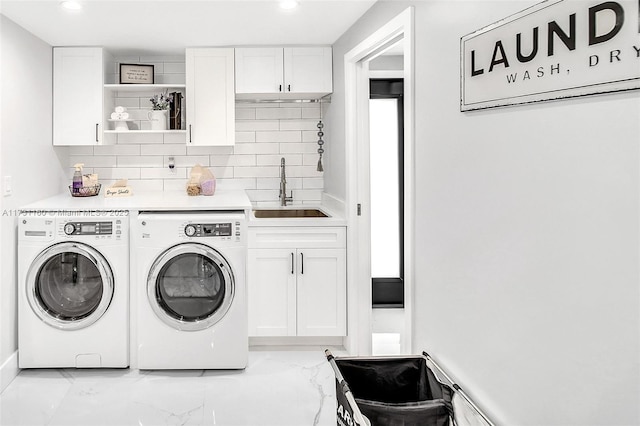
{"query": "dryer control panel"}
pixel 226 229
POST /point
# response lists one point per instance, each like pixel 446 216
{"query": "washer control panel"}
pixel 88 228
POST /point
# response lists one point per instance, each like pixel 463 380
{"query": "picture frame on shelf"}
pixel 136 74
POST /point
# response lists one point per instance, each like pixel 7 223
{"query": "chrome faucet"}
pixel 283 185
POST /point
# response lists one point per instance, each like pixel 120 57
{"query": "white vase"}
pixel 158 119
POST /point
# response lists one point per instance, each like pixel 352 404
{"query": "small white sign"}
pixel 555 49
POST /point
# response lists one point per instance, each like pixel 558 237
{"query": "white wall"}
pixel 526 235
pixel 26 153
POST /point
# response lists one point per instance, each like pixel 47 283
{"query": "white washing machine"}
pixel 73 295
pixel 190 290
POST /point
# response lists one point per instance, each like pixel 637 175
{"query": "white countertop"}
pixel 180 201
pixel 160 200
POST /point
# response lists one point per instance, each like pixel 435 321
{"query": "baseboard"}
pixel 294 343
pixel 8 371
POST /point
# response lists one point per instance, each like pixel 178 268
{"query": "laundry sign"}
pixel 555 49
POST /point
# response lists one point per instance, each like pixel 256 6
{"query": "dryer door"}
pixel 190 286
pixel 69 285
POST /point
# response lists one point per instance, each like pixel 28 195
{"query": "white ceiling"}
pixel 168 26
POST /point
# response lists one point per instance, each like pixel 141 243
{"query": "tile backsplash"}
pixel 265 132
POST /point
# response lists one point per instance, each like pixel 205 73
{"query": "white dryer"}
pixel 190 290
pixel 73 295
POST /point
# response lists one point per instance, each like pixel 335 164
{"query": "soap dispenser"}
pixel 77 178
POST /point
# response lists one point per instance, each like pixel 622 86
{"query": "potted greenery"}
pixel 159 114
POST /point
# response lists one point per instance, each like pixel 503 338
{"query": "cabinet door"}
pixel 210 96
pixel 77 95
pixel 308 70
pixel 272 292
pixel 321 292
pixel 259 70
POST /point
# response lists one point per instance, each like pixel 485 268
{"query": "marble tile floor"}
pixel 277 388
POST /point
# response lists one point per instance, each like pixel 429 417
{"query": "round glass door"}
pixel 190 286
pixel 69 286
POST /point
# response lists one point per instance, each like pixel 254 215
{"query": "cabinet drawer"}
pixel 297 237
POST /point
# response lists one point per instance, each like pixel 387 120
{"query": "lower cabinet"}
pixel 297 282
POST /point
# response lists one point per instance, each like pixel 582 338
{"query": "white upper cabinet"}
pixel 210 96
pixel 290 72
pixel 78 75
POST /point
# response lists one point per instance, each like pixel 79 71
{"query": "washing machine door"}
pixel 69 285
pixel 190 286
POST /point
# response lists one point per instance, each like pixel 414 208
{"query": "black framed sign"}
pixel 553 50
pixel 136 74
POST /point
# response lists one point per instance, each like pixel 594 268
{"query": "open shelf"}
pixel 142 87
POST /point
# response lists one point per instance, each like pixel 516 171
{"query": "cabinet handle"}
pixel 189 133
pixel 292 260
pixel 302 263
pixel 97 140
pixel 280 88
pixel 289 87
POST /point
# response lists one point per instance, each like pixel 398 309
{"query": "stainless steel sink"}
pixel 288 213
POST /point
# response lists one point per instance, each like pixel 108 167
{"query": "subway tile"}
pixel 311 136
pixel 313 112
pixel 257 172
pixel 188 161
pixel 163 149
pixel 308 195
pixel 245 113
pixel 310 159
pixel 236 184
pixel 116 150
pixel 298 148
pixel 223 172
pixel 127 102
pixel 115 173
pixel 203 150
pixel 163 173
pixel 82 150
pixel 175 184
pixel 255 125
pixel 140 138
pixel 274 160
pixel 257 148
pixel 232 160
pixel 109 138
pixel 171 79
pixel 274 183
pixel 139 161
pixel 298 124
pixel 146 185
pixel 243 137
pixel 262 195
pixel 313 183
pixel 291 136
pixel 161 58
pixel 220 150
pixel 93 161
pixel 175 138
pixel 174 67
pixel 278 113
pixel 303 171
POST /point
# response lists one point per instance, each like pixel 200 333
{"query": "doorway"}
pixel 386 164
pixel 397 32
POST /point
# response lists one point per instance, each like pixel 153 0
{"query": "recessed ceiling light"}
pixel 71 5
pixel 288 4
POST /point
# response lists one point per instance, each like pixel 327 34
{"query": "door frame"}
pixel 356 68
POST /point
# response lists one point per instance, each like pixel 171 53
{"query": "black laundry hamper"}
pixel 389 391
